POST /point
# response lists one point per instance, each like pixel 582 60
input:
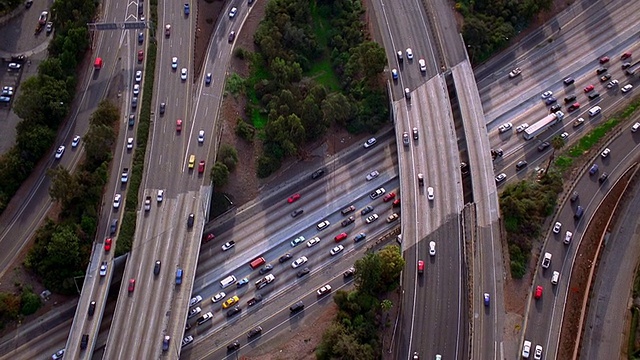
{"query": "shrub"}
pixel 245 131
pixel 228 155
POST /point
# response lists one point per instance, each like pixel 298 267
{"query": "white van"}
pixel 229 280
pixel 555 277
pixel 595 111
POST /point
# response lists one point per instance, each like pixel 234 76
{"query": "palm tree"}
pixel 556 143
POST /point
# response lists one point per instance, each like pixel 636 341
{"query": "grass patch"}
pixel 322 71
pixel 563 163
pixel 592 138
pixel 258 73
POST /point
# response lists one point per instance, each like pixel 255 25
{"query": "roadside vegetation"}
pixel 7 6
pixel 633 346
pixel 15 306
pixel 315 67
pixel 526 205
pixel 363 311
pixel 488 25
pixel 44 100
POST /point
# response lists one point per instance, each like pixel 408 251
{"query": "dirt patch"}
pixel 298 345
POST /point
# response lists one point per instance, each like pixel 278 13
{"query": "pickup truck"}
pixel 546 261
pixel 264 281
pixel 147 203
pixel 125 175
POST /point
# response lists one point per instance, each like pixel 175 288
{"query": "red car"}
pixel 340 237
pixel 201 167
pixel 293 198
pixel 132 285
pixel 538 293
pixel 107 244
pixel 140 55
pixel 396 202
pixel 389 196
pixel 604 59
pixel 588 88
pixel 420 266
pixel 574 106
pixel 179 125
pixel 208 238
pixel 625 56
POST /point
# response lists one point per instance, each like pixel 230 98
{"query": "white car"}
pixel 605 152
pixel 323 225
pixel 76 141
pixel 58 355
pixel 136 89
pixel 138 76
pixel 60 151
pixel 313 241
pixel 526 349
pixel 372 218
pixel 130 143
pixel 409 54
pixel 195 311
pixel 160 196
pixel 219 296
pixel 116 201
pixel 522 127
pixel 432 248
pixel 612 83
pixel 174 63
pixel 228 245
pixel 195 300
pixel 423 65
pixel 14 66
pixel 567 237
pixel 233 12
pixel 187 340
pixel 537 354
pixel 515 72
pixel 201 136
pixel 336 250
pixel 183 74
pixel 557 227
pixel 501 177
pixel 372 175
pixel 505 127
pixel 547 94
pixel 626 88
pixel 430 195
pixel 301 260
pixel 564 135
pixel 323 290
pixel 103 269
pixel 578 122
pixel 369 143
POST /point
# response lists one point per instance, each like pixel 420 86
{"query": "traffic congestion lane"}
pixel 543 319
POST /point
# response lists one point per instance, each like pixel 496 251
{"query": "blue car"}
pixel 243 282
pixel 186 9
pixel 394 74
pixel 487 299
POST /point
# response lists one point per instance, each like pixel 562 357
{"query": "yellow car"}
pixel 230 301
pixel 192 161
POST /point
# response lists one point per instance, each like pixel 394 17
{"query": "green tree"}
pixel 244 130
pixel 97 144
pixel 287 132
pixel 393 263
pixel 369 273
pixel 337 109
pixel 106 114
pixel 33 139
pixel 30 302
pixel 228 155
pixel 63 187
pixel 9 306
pixel 219 174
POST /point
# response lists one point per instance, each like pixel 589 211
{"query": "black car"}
pixel 92 308
pixel 569 81
pixel 601 70
pixel 190 220
pixel 316 174
pixel 233 346
pixel 162 108
pixel 593 95
pixel 296 307
pixel 550 100
pixel 303 272
pixel 284 258
pixel 349 273
pixel 266 269
pixel 543 146
pixel 295 213
pixel 574 196
pixel 254 332
pixel 156 268
pixel 132 120
pixel 84 342
pixel 232 36
pixel 603 178
pixel 140 38
pixel 366 210
pixel 555 108
pixel 256 299
pixel 233 311
pixel 348 221
pixel 521 165
pixel 570 98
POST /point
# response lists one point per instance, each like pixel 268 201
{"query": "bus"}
pixel 542 125
pixel 257 262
